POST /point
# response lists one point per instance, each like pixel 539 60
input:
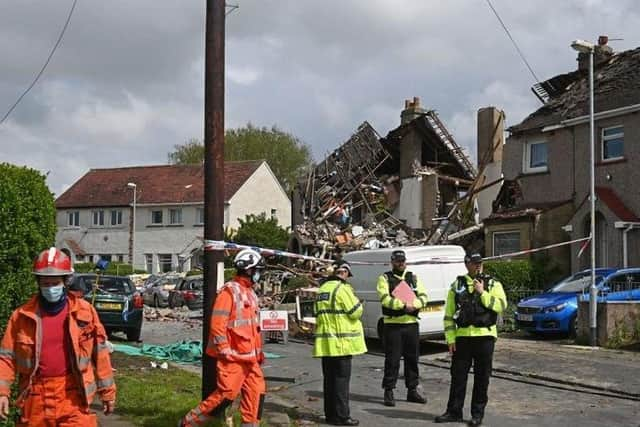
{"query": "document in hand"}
pixel 404 293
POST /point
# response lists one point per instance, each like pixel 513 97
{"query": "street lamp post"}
pixel 133 227
pixel 588 48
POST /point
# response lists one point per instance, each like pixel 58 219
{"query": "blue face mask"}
pixel 52 293
pixel 256 277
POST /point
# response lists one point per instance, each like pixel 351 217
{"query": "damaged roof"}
pixel 616 84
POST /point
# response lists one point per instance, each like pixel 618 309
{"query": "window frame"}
pixel 161 217
pixel 161 264
pixel 199 217
pixel 118 217
pixel 502 232
pixel 73 219
pixel 100 217
pixel 604 139
pixel 526 168
pixel 175 211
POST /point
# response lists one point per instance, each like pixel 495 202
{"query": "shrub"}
pixel 27 226
pixel 114 268
pixel 516 275
pixel 258 230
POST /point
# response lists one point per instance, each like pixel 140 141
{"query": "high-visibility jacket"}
pixel 234 334
pixel 389 301
pixel 338 327
pixel 20 351
pixel 492 298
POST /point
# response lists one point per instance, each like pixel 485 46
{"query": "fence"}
pixel 513 297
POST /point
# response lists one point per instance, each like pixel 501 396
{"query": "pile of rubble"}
pixel 181 314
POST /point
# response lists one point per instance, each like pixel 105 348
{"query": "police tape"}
pixel 543 248
pixel 221 245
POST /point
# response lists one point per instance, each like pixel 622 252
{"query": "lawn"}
pixel 155 397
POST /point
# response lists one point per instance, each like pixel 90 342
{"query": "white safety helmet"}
pixel 248 258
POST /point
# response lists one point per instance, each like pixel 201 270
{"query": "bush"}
pixel 258 230
pixel 516 275
pixel 27 227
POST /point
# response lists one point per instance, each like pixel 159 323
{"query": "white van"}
pixel 368 265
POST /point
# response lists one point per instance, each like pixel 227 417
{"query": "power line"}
pixel 513 41
pixel 55 47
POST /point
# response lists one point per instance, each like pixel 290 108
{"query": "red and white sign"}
pixel 271 320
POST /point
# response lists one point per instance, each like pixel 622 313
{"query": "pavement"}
pixel 535 382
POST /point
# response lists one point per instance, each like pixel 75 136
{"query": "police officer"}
pixel 339 336
pixel 473 304
pixel 400 331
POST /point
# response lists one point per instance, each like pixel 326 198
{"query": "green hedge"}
pixel 516 274
pixel 27 226
pixel 114 268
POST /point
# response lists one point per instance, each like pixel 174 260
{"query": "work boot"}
pixel 389 400
pixel 475 421
pixel 448 418
pixel 415 397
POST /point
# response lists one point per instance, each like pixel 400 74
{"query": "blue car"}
pixel 556 309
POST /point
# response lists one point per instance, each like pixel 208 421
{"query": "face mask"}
pixel 52 293
pixel 255 277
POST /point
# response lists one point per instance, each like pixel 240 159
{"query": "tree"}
pixel 258 230
pixel 27 226
pixel 287 155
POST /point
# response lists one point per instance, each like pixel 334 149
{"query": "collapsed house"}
pixel 414 186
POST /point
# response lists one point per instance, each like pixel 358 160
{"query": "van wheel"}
pixel 381 332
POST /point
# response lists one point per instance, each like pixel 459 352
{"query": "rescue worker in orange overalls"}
pixel 236 343
pixel 54 342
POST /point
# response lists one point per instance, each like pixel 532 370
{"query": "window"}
pixel 199 215
pixel 613 143
pixel 535 157
pixel 164 262
pixel 98 218
pixel 156 217
pixel 506 242
pixel 274 213
pixel 73 219
pixel 175 216
pixel 116 217
pixel 120 258
pixel 148 260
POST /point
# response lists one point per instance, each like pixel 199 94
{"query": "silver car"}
pixel 156 293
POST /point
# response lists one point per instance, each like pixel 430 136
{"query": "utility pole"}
pixel 213 173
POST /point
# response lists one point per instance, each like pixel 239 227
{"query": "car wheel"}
pixel 133 334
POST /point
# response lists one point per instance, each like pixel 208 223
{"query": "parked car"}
pixel 118 305
pixel 156 293
pixel 556 309
pixel 188 292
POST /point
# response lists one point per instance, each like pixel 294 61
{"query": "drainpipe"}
pixel 626 228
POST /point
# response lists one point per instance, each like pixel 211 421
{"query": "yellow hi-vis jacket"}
pixel 387 300
pixel 338 328
pixel 492 298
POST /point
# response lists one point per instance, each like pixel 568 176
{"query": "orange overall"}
pixel 236 343
pixel 64 400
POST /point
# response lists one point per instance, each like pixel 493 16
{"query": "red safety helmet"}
pixel 52 262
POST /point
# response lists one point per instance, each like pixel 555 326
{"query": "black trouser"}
pixel 401 341
pixel 336 372
pixel 478 350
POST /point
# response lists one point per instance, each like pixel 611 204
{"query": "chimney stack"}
pixel 601 54
pixel 412 110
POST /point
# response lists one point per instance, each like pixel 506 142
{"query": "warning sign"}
pixel 274 320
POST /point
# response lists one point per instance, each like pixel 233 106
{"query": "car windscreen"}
pixel 113 285
pixel 575 283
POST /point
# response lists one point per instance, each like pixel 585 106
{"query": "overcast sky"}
pixel 126 84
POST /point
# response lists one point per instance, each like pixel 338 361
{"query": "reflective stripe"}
pixel 5 383
pixel 101 347
pixel 355 307
pixel 6 352
pixel 24 363
pixel 242 322
pixel 90 389
pixel 83 362
pixel 217 339
pixel 492 302
pixel 338 335
pixel 450 328
pixel 329 311
pixel 220 313
pixel 105 382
